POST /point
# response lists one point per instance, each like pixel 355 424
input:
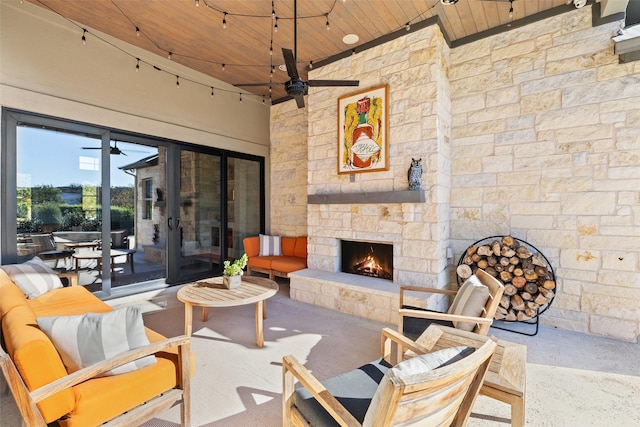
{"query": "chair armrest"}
pixel 111 363
pixel 390 337
pixel 434 315
pixel 291 369
pixel 406 288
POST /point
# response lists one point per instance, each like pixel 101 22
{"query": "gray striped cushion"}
pixel 86 339
pixel 469 301
pixel 33 277
pixel 270 245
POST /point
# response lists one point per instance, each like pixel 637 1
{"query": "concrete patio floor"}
pixel 573 379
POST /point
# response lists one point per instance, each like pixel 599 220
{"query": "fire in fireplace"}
pixel 367 259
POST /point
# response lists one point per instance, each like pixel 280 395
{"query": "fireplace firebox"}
pixel 367 259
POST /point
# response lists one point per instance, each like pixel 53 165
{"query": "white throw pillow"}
pixel 89 338
pixel 270 245
pixel 469 301
pixel 410 371
pixel 33 277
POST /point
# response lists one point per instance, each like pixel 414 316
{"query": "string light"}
pixel 273 69
pixel 222 67
pixel 275 27
pixel 212 91
pixel 137 64
pixel 327 24
pixel 177 82
pixel 271 48
pixel 311 65
pixel 240 93
pixel 407 26
pixel 263 99
pixel 84 39
pixel 273 9
pixel 197 3
pixel 511 9
pixel 169 55
pixel 137 31
pixel 224 20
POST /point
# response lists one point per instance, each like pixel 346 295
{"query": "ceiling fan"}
pixel 113 150
pixel 296 87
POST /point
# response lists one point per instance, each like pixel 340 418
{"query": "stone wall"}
pixel 289 159
pixel 415 68
pixel 546 147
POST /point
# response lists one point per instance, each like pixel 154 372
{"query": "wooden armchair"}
pixel 26 400
pixel 421 390
pixel 48 249
pixel 412 321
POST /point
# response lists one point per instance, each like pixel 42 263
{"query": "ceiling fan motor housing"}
pixel 295 87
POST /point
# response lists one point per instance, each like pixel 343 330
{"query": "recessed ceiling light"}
pixel 282 67
pixel 448 2
pixel 350 39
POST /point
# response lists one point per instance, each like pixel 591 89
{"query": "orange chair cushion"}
pixel 36 359
pixel 10 295
pixel 288 244
pixel 252 246
pixel 301 248
pixel 67 302
pixel 262 261
pixel 288 264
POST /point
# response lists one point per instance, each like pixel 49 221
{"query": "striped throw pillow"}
pixel 89 338
pixel 469 301
pixel 270 245
pixel 33 277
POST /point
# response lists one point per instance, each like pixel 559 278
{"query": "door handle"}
pixel 170 223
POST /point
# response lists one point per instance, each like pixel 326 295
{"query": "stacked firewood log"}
pixel 528 280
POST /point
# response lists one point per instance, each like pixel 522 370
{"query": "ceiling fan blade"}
pixel 91 148
pixel 317 83
pixel 299 100
pixel 290 62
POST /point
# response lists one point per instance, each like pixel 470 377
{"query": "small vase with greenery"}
pixel 232 273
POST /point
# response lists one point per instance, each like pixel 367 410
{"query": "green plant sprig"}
pixel 235 268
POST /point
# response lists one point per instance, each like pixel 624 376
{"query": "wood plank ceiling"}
pixel 193 31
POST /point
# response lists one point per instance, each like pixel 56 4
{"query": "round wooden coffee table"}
pixel 212 293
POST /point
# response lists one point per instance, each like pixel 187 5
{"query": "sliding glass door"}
pixel 123 209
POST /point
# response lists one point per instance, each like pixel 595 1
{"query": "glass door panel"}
pixel 58 197
pixel 243 203
pixel 137 204
pixel 200 219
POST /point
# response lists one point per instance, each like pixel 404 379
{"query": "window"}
pixel 147 191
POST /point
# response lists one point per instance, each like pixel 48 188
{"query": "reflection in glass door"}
pixel 200 217
pixel 244 203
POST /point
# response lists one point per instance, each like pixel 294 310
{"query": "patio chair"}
pixel 472 309
pixel 48 250
pixel 436 389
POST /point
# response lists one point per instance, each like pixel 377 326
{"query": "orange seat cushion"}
pixel 288 264
pixel 262 261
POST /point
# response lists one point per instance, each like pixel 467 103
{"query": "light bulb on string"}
pixel 240 93
pixel 137 31
pixel 177 82
pixel 137 64
pixel 212 91
pixel 275 27
pixel 327 24
pixel 169 55
pixel 263 99
pixel 273 9
pixel 224 20
pixel 84 39
pixel 222 67
pixel 407 26
pixel 311 65
pixel 197 3
pixel 511 9
pixel 271 48
pixel 273 69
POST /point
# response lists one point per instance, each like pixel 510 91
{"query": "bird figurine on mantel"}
pixel 415 174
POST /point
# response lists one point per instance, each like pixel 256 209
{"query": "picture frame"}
pixel 363 144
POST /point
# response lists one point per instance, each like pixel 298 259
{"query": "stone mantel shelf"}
pixel 403 196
